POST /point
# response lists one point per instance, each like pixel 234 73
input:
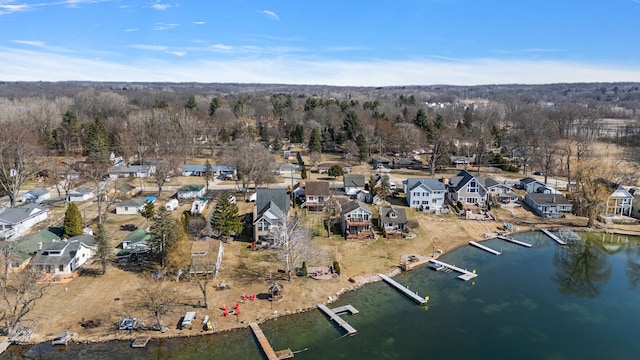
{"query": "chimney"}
pixel 40 245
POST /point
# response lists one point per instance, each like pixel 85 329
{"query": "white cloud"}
pixel 149 47
pixel 199 22
pixel 29 42
pixel 162 26
pixel 159 6
pixel 34 65
pixel 7 8
pixel 270 14
pixel 131 30
pixel 221 47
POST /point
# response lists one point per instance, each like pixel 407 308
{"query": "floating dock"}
pixel 266 347
pixel 511 240
pixel 62 339
pixel 485 248
pixel 466 274
pixel 557 239
pixel 333 315
pixel 140 342
pixel 413 296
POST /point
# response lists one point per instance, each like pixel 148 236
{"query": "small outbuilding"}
pixel 275 292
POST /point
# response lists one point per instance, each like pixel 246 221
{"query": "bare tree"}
pixel 293 242
pixel 158 298
pixel 19 159
pixel 254 163
pixel 202 272
pixel 19 293
pixel 332 211
pixel 593 178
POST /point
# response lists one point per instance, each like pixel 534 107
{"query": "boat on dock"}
pixel 465 274
pixel 62 339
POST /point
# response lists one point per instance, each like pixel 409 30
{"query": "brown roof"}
pixel 317 188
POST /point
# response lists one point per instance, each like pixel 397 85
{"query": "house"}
pixel 635 206
pixel 37 195
pixel 271 209
pixel 130 207
pixel 425 194
pixel 548 205
pixel 200 170
pixel 22 250
pixel 137 241
pixel 191 191
pixel 364 196
pixel 392 220
pixel 356 221
pixel 500 192
pixel 620 202
pixel 324 167
pixel 316 194
pixel 82 193
pixel 380 162
pixel 462 162
pixel 16 221
pixel 172 204
pixel 531 185
pixel 353 183
pixel 65 256
pixel 287 170
pixel 467 189
pixel 139 171
pixel 407 163
pixel 198 206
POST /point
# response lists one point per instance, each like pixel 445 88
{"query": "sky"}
pixel 330 42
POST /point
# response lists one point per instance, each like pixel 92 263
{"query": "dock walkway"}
pixel 140 342
pixel 511 240
pixel 332 314
pixel 485 248
pixel 557 239
pixel 466 274
pixel 413 296
pixel 266 347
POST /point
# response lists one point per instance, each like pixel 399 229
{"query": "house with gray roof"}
pixel 129 207
pixel 271 209
pixel 65 256
pixel 23 249
pixel 18 220
pixel 620 202
pixel 191 191
pixel 392 220
pixel 200 170
pixel 82 193
pixel 357 221
pixel 138 171
pixel 500 192
pixel 548 205
pixel 467 189
pixel 37 195
pixel 316 193
pixel 353 183
pixel 425 194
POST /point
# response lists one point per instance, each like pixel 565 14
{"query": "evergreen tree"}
pixel 72 223
pixel 191 103
pixel 214 105
pixel 148 211
pixel 303 173
pixel 208 173
pixel 350 124
pixel 163 234
pixel 103 253
pixel 335 171
pixel 315 144
pixel 225 218
pixel 363 148
pixel 97 143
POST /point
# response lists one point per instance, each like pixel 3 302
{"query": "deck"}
pixel 557 239
pixel 511 240
pixel 410 294
pixel 336 318
pixel 266 347
pixel 140 342
pixel 485 248
pixel 466 274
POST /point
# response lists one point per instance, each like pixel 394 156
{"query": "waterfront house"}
pixel 424 194
pixel 392 220
pixel 548 205
pixel 270 211
pixel 65 256
pixel 467 189
pixel 356 221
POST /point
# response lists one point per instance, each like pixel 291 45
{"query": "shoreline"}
pixel 359 282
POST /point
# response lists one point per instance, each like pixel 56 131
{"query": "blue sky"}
pixel 331 42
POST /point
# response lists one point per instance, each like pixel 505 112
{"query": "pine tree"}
pixel 148 211
pixel 103 253
pixel 97 142
pixel 315 144
pixel 363 148
pixel 208 173
pixel 163 234
pixel 72 222
pixel 303 173
pixel 225 218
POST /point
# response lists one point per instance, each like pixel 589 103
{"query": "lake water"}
pixel 544 302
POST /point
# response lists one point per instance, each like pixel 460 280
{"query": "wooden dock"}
pixel 140 342
pixel 557 239
pixel 266 347
pixel 413 296
pixel 332 314
pixel 466 274
pixel 485 248
pixel 511 240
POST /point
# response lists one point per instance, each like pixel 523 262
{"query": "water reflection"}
pixel 581 268
pixel 633 265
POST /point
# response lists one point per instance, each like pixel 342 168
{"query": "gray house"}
pixel 392 220
pixel 353 183
pixel 548 205
pixel 270 210
pixel 16 221
pixel 65 256
pixel 191 191
pixel 37 195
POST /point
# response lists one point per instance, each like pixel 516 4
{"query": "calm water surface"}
pixel 544 302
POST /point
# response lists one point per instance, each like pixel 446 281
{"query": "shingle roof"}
pixel 191 187
pixel 353 180
pixel 317 188
pixel 19 214
pixel 431 184
pixel 269 198
pixel 352 205
pixel 68 249
pixel 25 247
pixel 547 199
pixel 385 211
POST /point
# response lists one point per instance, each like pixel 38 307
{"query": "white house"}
pixel 130 207
pixel 424 194
pixel 548 205
pixel 198 206
pixel 191 191
pixel 139 171
pixel 620 202
pixel 65 256
pixel 37 195
pixel 172 204
pixel 16 221
pixel 80 194
pixel 500 192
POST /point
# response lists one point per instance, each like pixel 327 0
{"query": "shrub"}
pixel 304 268
pixel 336 267
pixel 459 205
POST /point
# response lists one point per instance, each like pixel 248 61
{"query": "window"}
pixel 393 215
pixel 473 186
pixel 471 200
pixel 425 202
pixel 263 225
